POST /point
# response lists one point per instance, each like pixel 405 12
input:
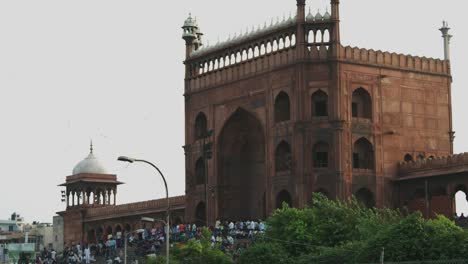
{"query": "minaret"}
pixel 335 35
pixel 191 35
pixel 300 19
pixel 446 36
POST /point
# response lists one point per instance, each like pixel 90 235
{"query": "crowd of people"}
pixel 229 236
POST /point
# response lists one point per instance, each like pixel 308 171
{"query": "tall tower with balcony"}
pixel 293 112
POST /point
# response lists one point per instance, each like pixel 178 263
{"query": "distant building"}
pixel 8 226
pixel 16 231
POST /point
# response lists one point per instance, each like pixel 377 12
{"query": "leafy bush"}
pixel 265 253
pixel 348 232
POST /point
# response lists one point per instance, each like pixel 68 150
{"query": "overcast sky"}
pixel 111 71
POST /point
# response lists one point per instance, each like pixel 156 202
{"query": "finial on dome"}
pixel 91 147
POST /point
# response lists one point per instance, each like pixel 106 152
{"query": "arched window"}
pixel 200 171
pixel 321 155
pixel 283 157
pixel 283 197
pixel 408 158
pixel 319 104
pixel 200 126
pixel 363 154
pixel 282 107
pixel 366 197
pixel 361 105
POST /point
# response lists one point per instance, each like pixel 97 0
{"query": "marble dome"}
pixel 89 165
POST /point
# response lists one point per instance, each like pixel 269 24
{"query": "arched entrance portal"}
pixel 241 176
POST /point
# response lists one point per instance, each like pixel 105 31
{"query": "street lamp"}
pixel 131 160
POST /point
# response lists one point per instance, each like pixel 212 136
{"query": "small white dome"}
pixel 190 22
pixel 318 16
pixel 89 165
pixel 310 17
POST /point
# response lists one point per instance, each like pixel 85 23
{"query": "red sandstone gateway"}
pixel 283 111
pixel 294 112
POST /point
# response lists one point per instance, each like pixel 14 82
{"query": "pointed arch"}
pixel 318 36
pixel 363 154
pixel 283 157
pixel 326 36
pixel 200 171
pixel 283 197
pixel 201 125
pixel 319 104
pixel 320 154
pixel 366 197
pixel 282 107
pixel 241 166
pixel 310 37
pixel 275 45
pixel 361 106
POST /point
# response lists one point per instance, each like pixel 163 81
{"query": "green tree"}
pixel 348 232
pixel 265 253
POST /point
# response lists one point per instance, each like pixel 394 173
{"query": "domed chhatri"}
pixel 90 165
pixel 190 22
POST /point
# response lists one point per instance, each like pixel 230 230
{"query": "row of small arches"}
pixel 363 155
pixel 409 158
pixel 361 107
pixel 363 158
pixel 458 194
pixel 318 36
pixel 245 54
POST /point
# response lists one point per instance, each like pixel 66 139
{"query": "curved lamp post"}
pixel 131 160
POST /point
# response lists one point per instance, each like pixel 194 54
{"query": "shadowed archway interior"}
pixel 241 165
